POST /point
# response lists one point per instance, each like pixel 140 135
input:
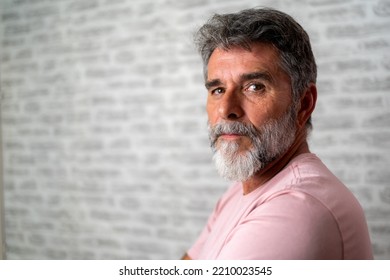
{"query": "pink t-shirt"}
pixel 304 212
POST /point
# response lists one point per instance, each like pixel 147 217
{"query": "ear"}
pixel 307 104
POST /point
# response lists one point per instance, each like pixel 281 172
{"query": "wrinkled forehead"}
pixel 259 57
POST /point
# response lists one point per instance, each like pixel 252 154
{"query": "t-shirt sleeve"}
pixel 288 226
pixel 196 249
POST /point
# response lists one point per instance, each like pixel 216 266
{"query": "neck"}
pixel 299 147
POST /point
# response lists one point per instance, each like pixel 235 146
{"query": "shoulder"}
pixel 292 225
pixel 308 174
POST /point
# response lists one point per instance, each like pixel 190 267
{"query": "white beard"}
pixel 269 142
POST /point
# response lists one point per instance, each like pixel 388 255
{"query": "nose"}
pixel 230 107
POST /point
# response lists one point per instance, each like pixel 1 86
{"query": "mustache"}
pixel 233 127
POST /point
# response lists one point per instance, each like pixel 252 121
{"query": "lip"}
pixel 230 136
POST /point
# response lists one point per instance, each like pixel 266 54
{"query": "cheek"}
pixel 262 112
pixel 257 115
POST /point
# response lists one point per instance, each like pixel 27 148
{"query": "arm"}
pixel 293 226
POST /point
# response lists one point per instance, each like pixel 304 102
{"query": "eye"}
pixel 217 91
pixel 255 88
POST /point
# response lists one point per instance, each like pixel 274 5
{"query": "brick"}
pixel 104 129
pixel 10 224
pixel 381 229
pixel 158 219
pixel 356 30
pixel 74 118
pixel 10 16
pixel 385 195
pixel 145 247
pixel 146 68
pixel 380 176
pixel 382 8
pixel 28 199
pixel 337 13
pixel 364 195
pixel 12 145
pixel 132 230
pixel 358 102
pixel 56 254
pixel 32 93
pixel 375 44
pixel 346 66
pixel 131 187
pixel 130 203
pixel 51 119
pixel 380 250
pixel 18 251
pixel 21 160
pixel 84 6
pixel 378 140
pixel 22 3
pixel 121 12
pixel 125 57
pixel 15 238
pixel 325 2
pixel 37 226
pixel 36 240
pixel 22 68
pixel 100 242
pixel 104 73
pixel 96 200
pixel 37 132
pixel 330 123
pixel 90 32
pixel 14 172
pixel 41 12
pixel 14 210
pixel 363 84
pixel 107 216
pixel 378 120
pixel 187 4
pixel 12 83
pixel 112 116
pixel 386 63
pixel 356 159
pixel 83 255
pixel 61 240
pixel 45 145
pixel 96 173
pixel 50 172
pixel 326 87
pixel 17 29
pixel 8 43
pixel 172 235
pixel 126 41
pixel 46 39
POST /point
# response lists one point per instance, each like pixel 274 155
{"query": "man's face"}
pixel 249 105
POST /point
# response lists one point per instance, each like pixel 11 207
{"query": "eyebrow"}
pixel 213 83
pixel 260 75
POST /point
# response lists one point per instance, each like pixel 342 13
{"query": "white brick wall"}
pixel 105 151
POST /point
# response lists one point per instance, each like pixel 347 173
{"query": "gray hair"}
pixel 267 26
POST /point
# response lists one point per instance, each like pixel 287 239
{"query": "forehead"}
pixel 260 56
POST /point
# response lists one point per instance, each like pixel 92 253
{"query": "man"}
pixel 260 75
